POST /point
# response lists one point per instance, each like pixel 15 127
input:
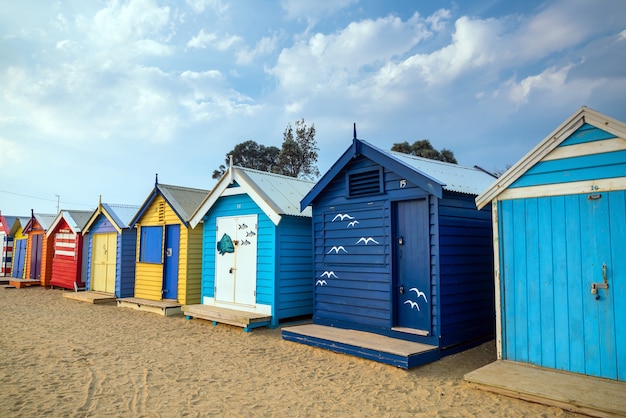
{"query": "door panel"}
pixel 235 273
pixel 18 261
pixel 104 265
pixel 412 256
pixel 35 254
pixel 170 269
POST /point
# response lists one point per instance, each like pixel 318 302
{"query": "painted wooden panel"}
pixel 66 263
pixel 552 250
pixel 240 205
pixel 103 265
pixel 465 265
pixel 594 166
pixel 125 277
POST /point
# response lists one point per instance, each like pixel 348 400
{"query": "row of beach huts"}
pixel 392 256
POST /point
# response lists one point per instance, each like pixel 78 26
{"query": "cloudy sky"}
pixel 98 96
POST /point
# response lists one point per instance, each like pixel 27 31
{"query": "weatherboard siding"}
pixel 545 262
pixel 293 284
pixel 596 166
pixel 125 259
pixel 466 292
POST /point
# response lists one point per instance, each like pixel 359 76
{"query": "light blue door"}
pixel 170 268
pixel 412 270
pixel 18 259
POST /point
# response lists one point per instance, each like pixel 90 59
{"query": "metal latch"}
pixel 603 285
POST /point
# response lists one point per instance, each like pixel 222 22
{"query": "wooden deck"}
pixel 400 353
pixel 246 320
pixel 91 297
pixel 161 307
pixel 20 283
pixel 573 392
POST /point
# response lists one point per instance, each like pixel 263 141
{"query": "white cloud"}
pixel 203 40
pixel 341 57
pixel 11 154
pixel 552 79
pixel 199 6
pixel 265 46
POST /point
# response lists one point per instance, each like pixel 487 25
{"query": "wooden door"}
pixel 235 272
pixel 170 268
pixel 412 269
pixel 104 252
pixel 18 259
pixel 35 257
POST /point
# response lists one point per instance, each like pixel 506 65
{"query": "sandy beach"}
pixel 66 358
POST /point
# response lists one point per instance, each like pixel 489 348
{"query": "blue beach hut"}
pixel 560 240
pixel 256 250
pixel 402 258
pixel 111 247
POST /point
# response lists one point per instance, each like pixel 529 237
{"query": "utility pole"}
pixel 58 198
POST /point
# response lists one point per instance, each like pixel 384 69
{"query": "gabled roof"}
pixel 75 219
pixel 183 201
pixel 275 194
pixel 430 175
pixel 43 219
pixel 119 215
pixel 6 222
pixel 20 222
pixel 547 145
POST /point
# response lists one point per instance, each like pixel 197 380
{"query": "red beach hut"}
pixel 66 238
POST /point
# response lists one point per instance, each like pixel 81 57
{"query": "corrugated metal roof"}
pixel 77 219
pixel 45 220
pixel 184 200
pixel 284 193
pixel 121 214
pixel 453 177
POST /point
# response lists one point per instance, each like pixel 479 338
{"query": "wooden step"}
pixel 380 348
pixel 161 307
pixel 244 319
pixel 91 297
pixel 20 283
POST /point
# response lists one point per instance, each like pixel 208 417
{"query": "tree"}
pixel 298 155
pixel 249 154
pixel 425 149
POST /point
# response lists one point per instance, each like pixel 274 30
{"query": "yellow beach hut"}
pixel 169 251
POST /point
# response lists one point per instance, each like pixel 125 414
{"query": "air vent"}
pixel 364 183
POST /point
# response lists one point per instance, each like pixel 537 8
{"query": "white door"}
pixel 235 272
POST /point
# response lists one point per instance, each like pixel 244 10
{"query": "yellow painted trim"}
pixel 588 148
pixel 578 187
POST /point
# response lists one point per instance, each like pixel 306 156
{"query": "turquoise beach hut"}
pixel 560 273
pixel 256 250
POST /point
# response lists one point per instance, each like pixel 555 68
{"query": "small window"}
pixel 364 183
pixel 151 244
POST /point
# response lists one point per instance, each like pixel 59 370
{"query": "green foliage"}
pixel 425 149
pixel 249 154
pixel 296 158
pixel 298 155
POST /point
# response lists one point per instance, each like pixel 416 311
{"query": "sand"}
pixel 66 358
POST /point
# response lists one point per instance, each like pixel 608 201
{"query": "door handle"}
pixel 602 285
pixel 402 290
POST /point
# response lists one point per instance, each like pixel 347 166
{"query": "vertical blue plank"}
pixel 507 278
pixel 605 304
pixel 546 282
pixel 533 282
pixel 521 285
pixel 574 285
pixel 590 225
pixel 617 279
pixel 561 305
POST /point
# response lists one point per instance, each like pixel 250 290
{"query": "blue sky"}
pixel 98 96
